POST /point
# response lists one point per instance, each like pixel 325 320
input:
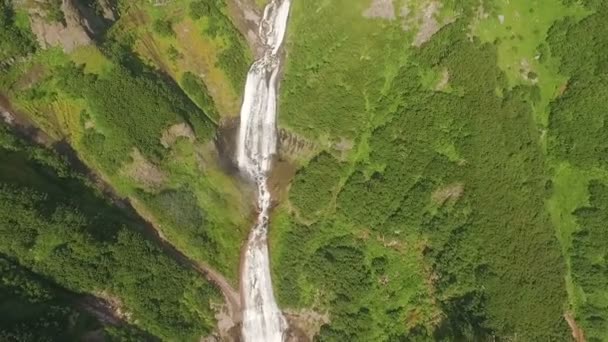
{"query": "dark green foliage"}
pixel 180 206
pixel 64 231
pixel 173 54
pixel 341 268
pixel 31 309
pixel 232 59
pixel 14 41
pixel 131 110
pixel 315 185
pixel 197 90
pixel 199 9
pixel 163 27
pixel 54 13
pixel 579 135
pixel 589 261
pixel 491 245
pixel 578 131
pixel 501 236
pixel 291 263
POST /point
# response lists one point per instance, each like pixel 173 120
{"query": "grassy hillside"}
pixel 129 119
pixel 454 186
pixel 467 170
pixel 55 224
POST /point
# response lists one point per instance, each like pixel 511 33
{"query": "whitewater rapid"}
pixel 256 146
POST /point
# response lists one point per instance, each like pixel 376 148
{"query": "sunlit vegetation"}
pixel 577 140
pixel 188 36
pixel 144 134
pixel 315 186
pixel 163 27
pixel 458 190
pixel 199 93
pixel 457 178
pixel 54 224
pixel 15 41
pixel 131 110
pixel 152 141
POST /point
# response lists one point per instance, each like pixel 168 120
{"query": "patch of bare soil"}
pixel 430 25
pixel 577 332
pixel 526 72
pixel 7 117
pixel 227 330
pixel 31 77
pixel 245 15
pixel 448 192
pixel 305 324
pixel 180 130
pixel 143 171
pixel 113 304
pixel 68 35
pixel 281 175
pixel 443 82
pixel 424 18
pixel 292 146
pixel 394 244
pixel 344 146
pixel 382 9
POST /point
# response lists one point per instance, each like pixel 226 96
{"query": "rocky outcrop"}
pixel 80 25
pixel 291 145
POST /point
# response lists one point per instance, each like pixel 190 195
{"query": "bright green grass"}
pixel 350 62
pixel 570 192
pixel 223 203
pixel 261 3
pixel 95 62
pixel 523 30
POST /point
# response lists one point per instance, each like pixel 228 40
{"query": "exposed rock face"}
pixel 180 130
pixel 108 9
pixel 80 27
pixel 292 145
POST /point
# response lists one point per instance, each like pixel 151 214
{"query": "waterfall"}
pixel 257 144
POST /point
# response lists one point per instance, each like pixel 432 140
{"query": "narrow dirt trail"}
pixel 231 295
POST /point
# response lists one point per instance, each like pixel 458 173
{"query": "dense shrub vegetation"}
pixel 315 186
pixel 458 176
pixel 578 137
pixel 58 227
pixel 577 122
pixel 32 310
pixel 589 261
pixel 163 27
pixel 197 90
pixel 233 58
pixel 132 110
pixel 15 41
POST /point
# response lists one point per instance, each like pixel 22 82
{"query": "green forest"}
pixel 441 175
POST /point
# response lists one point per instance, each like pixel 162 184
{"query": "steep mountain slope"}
pixel 55 224
pixel 441 170
pixel 449 138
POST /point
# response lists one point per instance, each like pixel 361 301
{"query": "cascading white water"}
pixel 262 319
